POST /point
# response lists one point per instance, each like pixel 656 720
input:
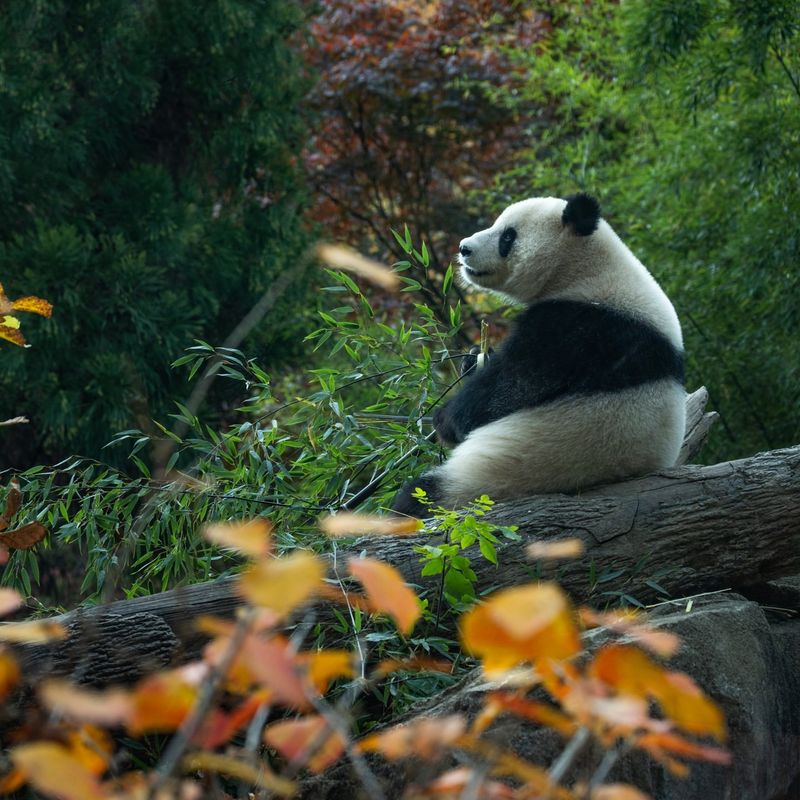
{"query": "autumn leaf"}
pixel 10 600
pixel 387 592
pixel 9 324
pixel 533 710
pixel 554 549
pixel 345 258
pixel 659 743
pixel 632 623
pixel 630 671
pixel 273 664
pixel 13 503
pixel 241 770
pixel 325 666
pixel 344 524
pixel 524 623
pixel 108 708
pixel 9 673
pixel 24 537
pixel 618 791
pixel 454 784
pixel 307 740
pixel 252 537
pixel 56 771
pixel 32 632
pixel 160 703
pixel 283 584
pixel 218 727
pixel 422 737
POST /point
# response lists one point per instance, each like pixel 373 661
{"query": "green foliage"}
pixel 150 191
pixel 460 530
pixel 683 118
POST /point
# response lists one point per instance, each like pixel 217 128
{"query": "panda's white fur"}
pixel 566 253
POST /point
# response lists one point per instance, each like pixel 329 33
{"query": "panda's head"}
pixel 530 241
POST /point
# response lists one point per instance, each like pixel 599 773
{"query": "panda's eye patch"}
pixel 507 238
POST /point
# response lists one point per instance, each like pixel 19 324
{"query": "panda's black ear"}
pixel 582 213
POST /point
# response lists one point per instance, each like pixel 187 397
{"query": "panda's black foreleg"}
pixel 405 503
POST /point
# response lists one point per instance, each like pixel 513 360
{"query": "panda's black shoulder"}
pixel 591 345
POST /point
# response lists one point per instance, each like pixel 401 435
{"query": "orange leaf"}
pixel 56 771
pixel 413 664
pixel 344 524
pixel 307 740
pixel 283 584
pixel 12 335
pixel 560 548
pixel 92 747
pixel 387 591
pixel 629 622
pixel 10 600
pixel 656 743
pixel 272 663
pixel 23 538
pixel 520 624
pixel 32 632
pixel 618 791
pixel 452 785
pixel 33 305
pixel 109 708
pixel 325 666
pixel 629 671
pixel 9 673
pixel 160 703
pixel 422 737
pixel 535 711
pixel 218 727
pixel 252 537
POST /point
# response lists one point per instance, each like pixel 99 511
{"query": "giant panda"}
pixel 587 387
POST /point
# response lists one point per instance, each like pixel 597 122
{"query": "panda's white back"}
pixel 546 415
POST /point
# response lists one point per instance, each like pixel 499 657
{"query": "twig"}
pixel 184 735
pixel 571 752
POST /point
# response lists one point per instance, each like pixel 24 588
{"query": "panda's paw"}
pixel 407 501
pixel 470 359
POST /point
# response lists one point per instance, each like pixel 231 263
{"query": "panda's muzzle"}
pixel 473 272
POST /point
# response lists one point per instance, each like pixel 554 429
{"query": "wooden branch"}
pixel 691 528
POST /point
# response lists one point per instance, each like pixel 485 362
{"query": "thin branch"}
pixel 571 752
pixel 777 53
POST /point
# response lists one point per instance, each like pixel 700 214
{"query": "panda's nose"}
pixel 464 249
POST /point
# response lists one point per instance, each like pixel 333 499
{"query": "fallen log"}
pixel 689 529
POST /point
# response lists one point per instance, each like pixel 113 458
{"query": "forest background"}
pixel 161 166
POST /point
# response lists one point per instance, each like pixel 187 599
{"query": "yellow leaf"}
pixel 31 632
pixel 521 624
pixel 325 666
pixel 387 592
pixel 618 791
pixel 55 771
pixel 10 322
pixel 252 537
pixel 13 336
pixel 160 703
pixel 34 305
pixel 561 548
pixel 241 770
pixel 344 524
pixel 283 584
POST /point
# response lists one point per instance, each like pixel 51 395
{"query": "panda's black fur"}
pixel 562 352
